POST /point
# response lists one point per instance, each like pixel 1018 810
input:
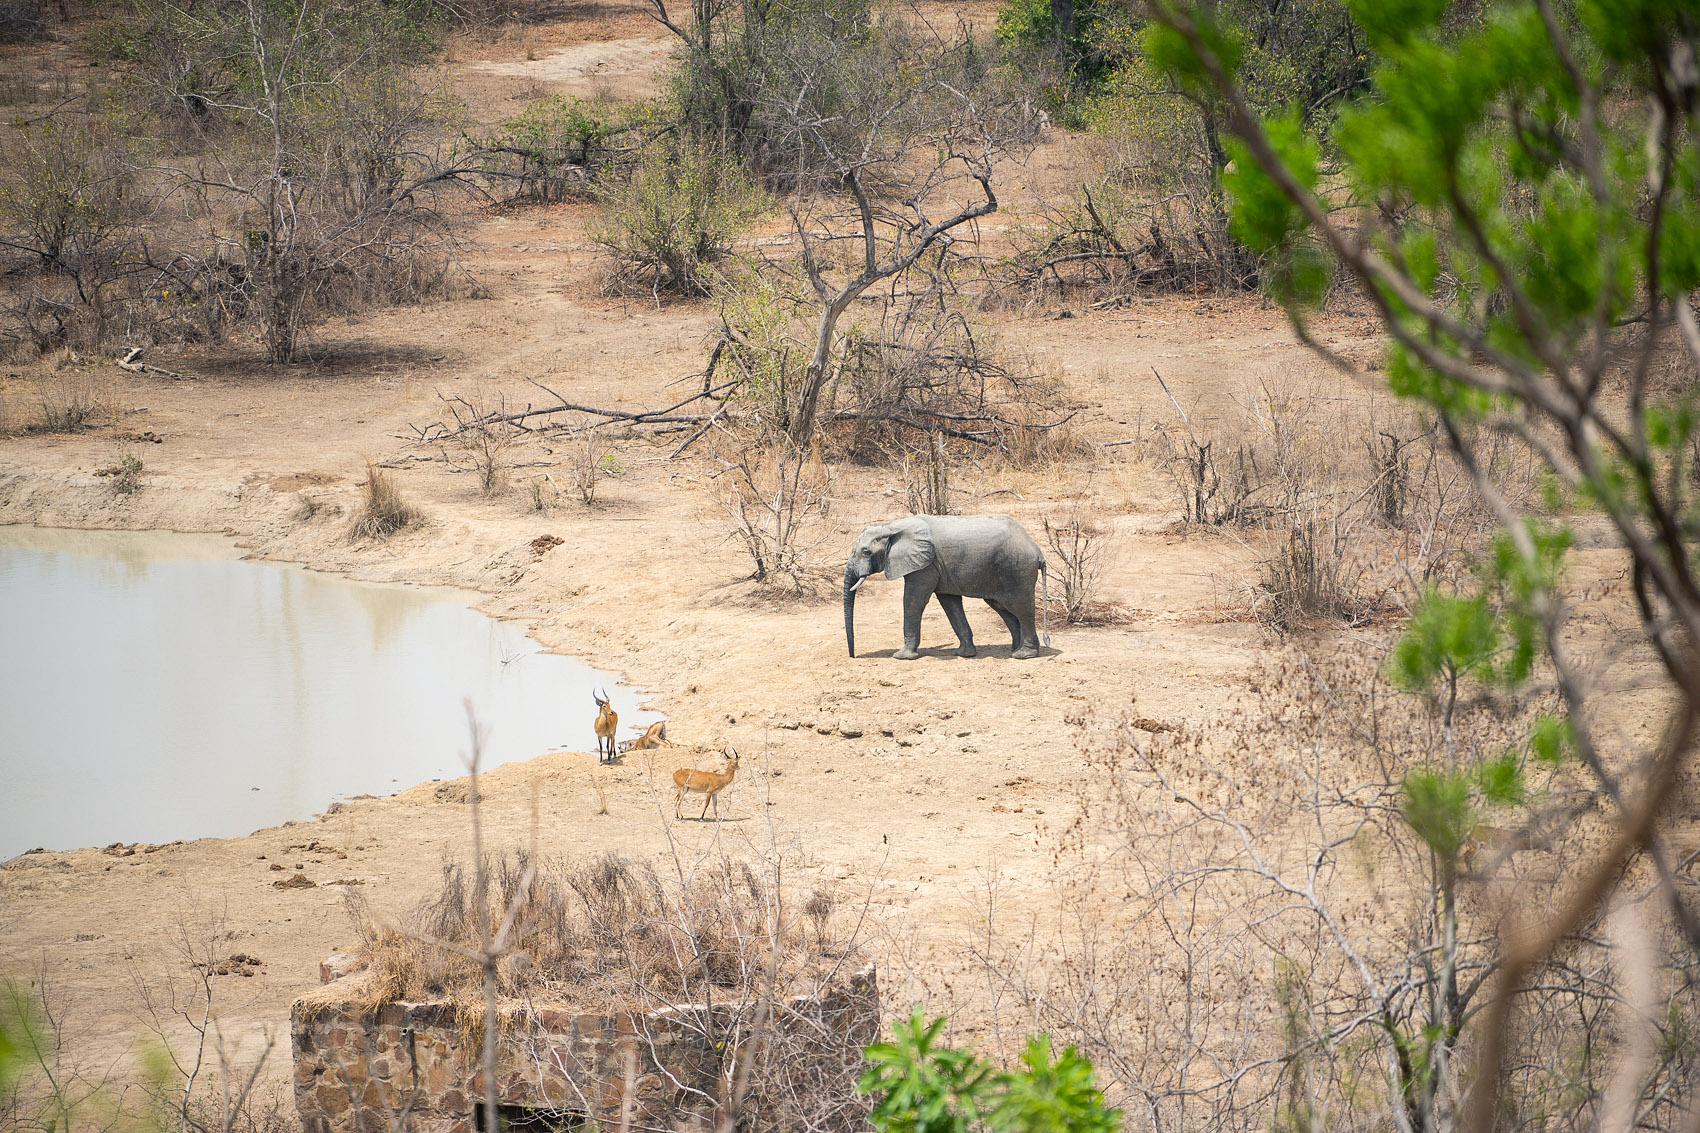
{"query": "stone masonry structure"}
pixel 411 1066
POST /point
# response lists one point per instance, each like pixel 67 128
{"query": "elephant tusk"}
pixel 858 585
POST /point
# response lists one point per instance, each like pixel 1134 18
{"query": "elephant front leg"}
pixel 952 604
pixel 916 591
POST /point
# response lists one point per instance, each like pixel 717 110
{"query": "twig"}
pixel 1177 406
pixel 706 426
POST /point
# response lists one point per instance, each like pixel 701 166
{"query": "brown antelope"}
pixel 1500 843
pixel 710 783
pixel 655 736
pixel 606 721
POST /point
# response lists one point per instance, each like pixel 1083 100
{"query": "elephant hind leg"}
pixel 1010 620
pixel 1023 634
pixel 952 605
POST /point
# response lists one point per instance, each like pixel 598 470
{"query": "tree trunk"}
pixel 1062 15
pixel 802 424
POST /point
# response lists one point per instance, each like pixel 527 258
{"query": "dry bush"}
pixel 72 400
pixel 591 461
pixel 382 512
pixel 1077 547
pixel 926 479
pixel 778 500
pixel 1150 219
pixel 1218 481
pixel 1251 936
pixel 921 368
pixel 610 934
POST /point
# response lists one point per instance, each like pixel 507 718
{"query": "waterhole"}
pixel 155 686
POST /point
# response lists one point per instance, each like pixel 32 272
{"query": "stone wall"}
pixel 411 1066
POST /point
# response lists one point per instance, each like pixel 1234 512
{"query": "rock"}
pixel 295 881
pixel 850 732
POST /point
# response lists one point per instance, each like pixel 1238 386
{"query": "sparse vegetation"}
pixel 672 220
pixel 777 500
pixel 1077 550
pixel 383 511
pixel 591 462
pixel 125 474
pixel 70 401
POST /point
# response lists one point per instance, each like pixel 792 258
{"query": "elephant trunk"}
pixel 850 584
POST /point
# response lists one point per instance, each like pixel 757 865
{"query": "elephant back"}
pixel 966 542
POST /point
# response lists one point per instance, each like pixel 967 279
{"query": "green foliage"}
pixel 1053 1096
pixel 1449 636
pixel 1437 805
pixel 1500 780
pixel 1087 54
pixel 559 143
pixel 673 220
pixel 18 1026
pixel 1552 739
pixel 926 1087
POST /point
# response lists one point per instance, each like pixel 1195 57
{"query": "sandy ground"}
pixel 913 780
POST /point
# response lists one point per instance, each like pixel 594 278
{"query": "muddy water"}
pixel 154 686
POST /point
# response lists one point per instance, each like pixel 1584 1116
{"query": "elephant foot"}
pixel 906 654
pixel 1025 652
pixel 967 650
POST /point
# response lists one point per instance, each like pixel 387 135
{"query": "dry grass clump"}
pixel 71 402
pixel 600 932
pixel 383 511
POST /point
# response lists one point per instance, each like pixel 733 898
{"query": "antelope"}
pixel 1500 842
pixel 606 721
pixel 710 783
pixel 655 736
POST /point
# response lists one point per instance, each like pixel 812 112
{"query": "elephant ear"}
pixel 911 548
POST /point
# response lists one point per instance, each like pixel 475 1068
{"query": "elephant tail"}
pixel 1045 602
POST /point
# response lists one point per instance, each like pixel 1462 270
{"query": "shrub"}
pixel 125 473
pixel 69 403
pixel 383 512
pixel 675 217
pixel 1078 547
pixel 556 146
pixel 778 502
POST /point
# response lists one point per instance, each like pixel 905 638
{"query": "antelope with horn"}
pixel 606 721
pixel 710 783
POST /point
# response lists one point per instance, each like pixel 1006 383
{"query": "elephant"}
pixel 953 557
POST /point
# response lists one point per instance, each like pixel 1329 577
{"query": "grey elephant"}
pixel 953 557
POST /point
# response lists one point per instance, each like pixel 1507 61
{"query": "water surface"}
pixel 154 686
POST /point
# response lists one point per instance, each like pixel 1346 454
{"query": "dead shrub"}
pixel 71 401
pixel 926 479
pixel 920 368
pixel 611 934
pixel 383 512
pixel 1078 547
pixel 591 462
pixel 1218 480
pixel 778 501
pixel 1312 576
